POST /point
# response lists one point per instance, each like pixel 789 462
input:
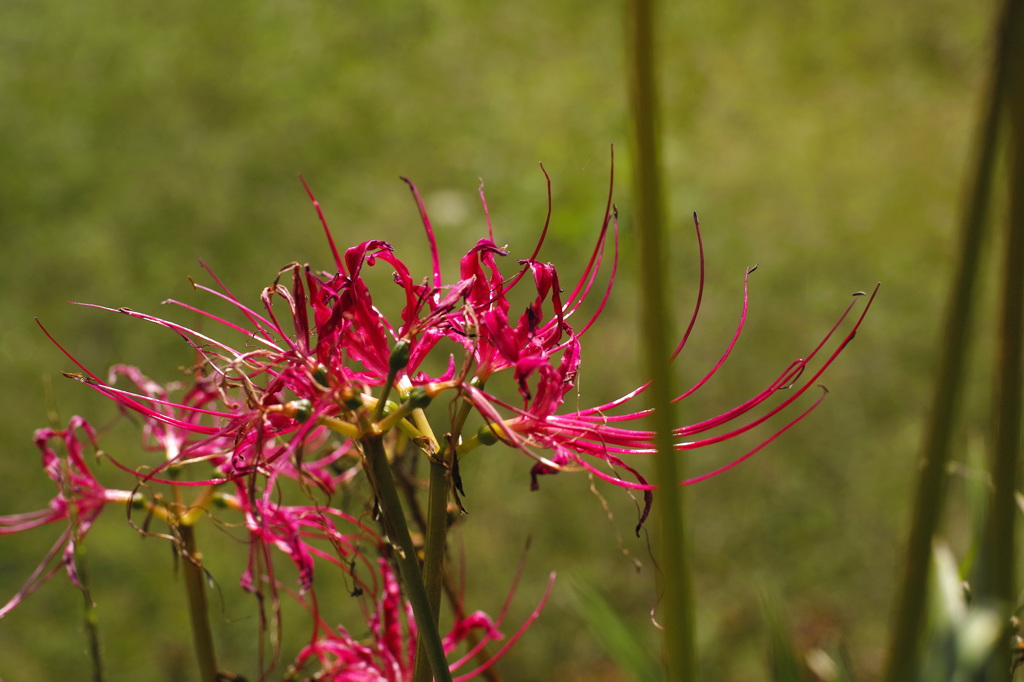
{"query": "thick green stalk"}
pixel 929 496
pixel 405 553
pixel 678 615
pixel 195 588
pixel 997 583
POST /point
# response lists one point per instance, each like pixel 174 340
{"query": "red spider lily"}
pixel 390 654
pixel 595 439
pixel 597 433
pixel 317 359
pixel 80 499
pixel 337 348
pixel 302 533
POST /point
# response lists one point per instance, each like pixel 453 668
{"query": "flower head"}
pixel 389 653
pixel 79 500
pixel 319 358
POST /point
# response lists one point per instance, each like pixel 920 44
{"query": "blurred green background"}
pixel 826 142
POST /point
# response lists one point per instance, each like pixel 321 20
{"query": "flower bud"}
pixel 320 377
pixel 300 409
pixel 399 356
pixel 349 398
pixel 487 435
pixel 418 398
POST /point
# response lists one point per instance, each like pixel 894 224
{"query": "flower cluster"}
pixel 390 654
pixel 304 388
pixel 301 533
pixel 320 352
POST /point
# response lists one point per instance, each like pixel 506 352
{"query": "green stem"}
pixel 997 584
pixel 929 497
pixel 436 530
pixel 679 620
pixel 433 557
pixel 437 501
pixel 195 588
pixel 437 519
pixel 405 553
pixel 89 615
pixel 409 489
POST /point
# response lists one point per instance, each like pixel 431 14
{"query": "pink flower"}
pixel 320 346
pixel 319 350
pixel 302 533
pixel 79 500
pixel 389 654
pixel 598 439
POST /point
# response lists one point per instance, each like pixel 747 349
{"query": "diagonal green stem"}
pixel 405 553
pixel 929 497
pixel 679 647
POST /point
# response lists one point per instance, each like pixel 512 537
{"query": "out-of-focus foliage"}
pixel 961 636
pixel 824 141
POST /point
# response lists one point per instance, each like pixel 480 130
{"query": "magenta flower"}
pixel 278 383
pixel 315 382
pixel 389 655
pixel 320 349
pixel 79 500
pixel 595 440
pixel 302 533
